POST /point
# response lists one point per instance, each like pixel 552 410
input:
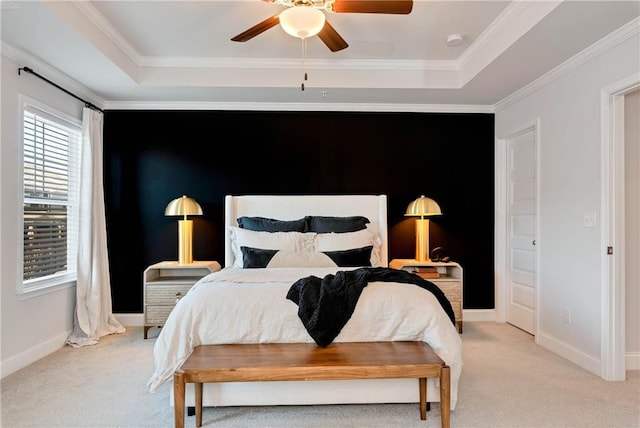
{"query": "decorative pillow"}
pixel 264 224
pixel 256 257
pixel 292 241
pixel 263 258
pixel 324 224
pixel 324 242
pixel 351 258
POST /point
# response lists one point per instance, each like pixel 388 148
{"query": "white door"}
pixel 521 229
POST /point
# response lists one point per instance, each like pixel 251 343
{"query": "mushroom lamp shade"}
pixel 184 207
pixel 423 207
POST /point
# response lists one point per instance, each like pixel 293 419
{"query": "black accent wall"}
pixel 152 157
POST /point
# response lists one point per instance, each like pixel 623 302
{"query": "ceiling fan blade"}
pixel 399 7
pixel 331 38
pixel 257 29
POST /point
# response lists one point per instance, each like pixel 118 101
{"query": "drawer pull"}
pixel 178 296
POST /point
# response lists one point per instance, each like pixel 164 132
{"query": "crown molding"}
pixel 515 21
pixel 353 107
pixel 24 59
pixel 105 27
pixel 20 57
pixel 603 45
pixel 289 63
pixel 94 29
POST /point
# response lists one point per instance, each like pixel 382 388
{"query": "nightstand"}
pixel 165 283
pixel 448 278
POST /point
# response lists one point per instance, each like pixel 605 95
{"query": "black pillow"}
pixel 264 224
pixel 351 258
pixel 256 257
pixel 324 224
pixel 260 258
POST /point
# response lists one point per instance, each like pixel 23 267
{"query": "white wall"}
pixel 31 327
pixel 632 225
pixel 569 111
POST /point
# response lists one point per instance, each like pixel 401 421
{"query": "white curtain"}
pixel 93 317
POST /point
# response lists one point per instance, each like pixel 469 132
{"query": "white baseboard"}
pixel 31 355
pixel 130 320
pixel 632 361
pixel 576 356
pixel 23 359
pixel 478 315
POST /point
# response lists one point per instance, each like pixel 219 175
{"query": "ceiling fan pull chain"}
pixel 304 64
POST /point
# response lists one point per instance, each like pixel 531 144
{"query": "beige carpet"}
pixel 507 381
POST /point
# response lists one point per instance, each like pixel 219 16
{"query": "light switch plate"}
pixel 590 219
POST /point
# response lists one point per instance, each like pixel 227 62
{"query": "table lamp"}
pixel 423 207
pixel 184 206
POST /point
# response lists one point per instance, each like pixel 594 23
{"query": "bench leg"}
pixel 423 398
pixel 445 396
pixel 198 387
pixel 178 399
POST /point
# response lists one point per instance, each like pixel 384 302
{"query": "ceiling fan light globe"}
pixel 302 21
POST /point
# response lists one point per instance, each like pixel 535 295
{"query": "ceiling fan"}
pixel 325 31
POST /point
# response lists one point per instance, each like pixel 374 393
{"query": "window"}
pixel 51 167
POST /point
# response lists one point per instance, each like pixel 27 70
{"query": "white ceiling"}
pixel 128 53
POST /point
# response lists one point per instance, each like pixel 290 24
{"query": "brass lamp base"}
pixel 185 234
pixel 422 240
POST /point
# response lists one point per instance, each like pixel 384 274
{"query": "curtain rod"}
pixel 86 103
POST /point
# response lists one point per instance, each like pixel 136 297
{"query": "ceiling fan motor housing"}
pixel 318 4
pixel 326 33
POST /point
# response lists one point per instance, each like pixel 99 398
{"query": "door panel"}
pixel 524 296
pixel 521 233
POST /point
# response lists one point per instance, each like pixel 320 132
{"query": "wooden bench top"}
pixel 307 361
pixel 299 361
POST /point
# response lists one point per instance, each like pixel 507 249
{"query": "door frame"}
pixel 612 331
pixel 502 224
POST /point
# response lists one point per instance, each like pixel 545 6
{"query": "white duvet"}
pixel 237 305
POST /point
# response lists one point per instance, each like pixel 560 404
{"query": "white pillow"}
pixel 349 240
pixel 300 259
pixel 291 241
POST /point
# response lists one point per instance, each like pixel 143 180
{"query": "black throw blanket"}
pixel 325 305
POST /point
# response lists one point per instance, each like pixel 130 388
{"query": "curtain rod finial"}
pixel 27 69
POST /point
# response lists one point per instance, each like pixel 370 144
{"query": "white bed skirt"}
pixel 356 391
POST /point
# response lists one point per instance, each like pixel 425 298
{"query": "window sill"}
pixel 36 291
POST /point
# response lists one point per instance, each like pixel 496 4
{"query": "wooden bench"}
pixel 307 361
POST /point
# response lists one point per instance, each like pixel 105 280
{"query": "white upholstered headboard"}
pixel 291 207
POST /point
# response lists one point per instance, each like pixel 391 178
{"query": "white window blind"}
pixel 51 169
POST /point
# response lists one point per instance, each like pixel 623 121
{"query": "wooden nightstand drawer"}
pixel 157 315
pixel 451 289
pixel 166 282
pixel 167 293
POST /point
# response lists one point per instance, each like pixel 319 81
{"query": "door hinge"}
pixel 609 250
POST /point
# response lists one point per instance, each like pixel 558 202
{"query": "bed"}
pixel 275 244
